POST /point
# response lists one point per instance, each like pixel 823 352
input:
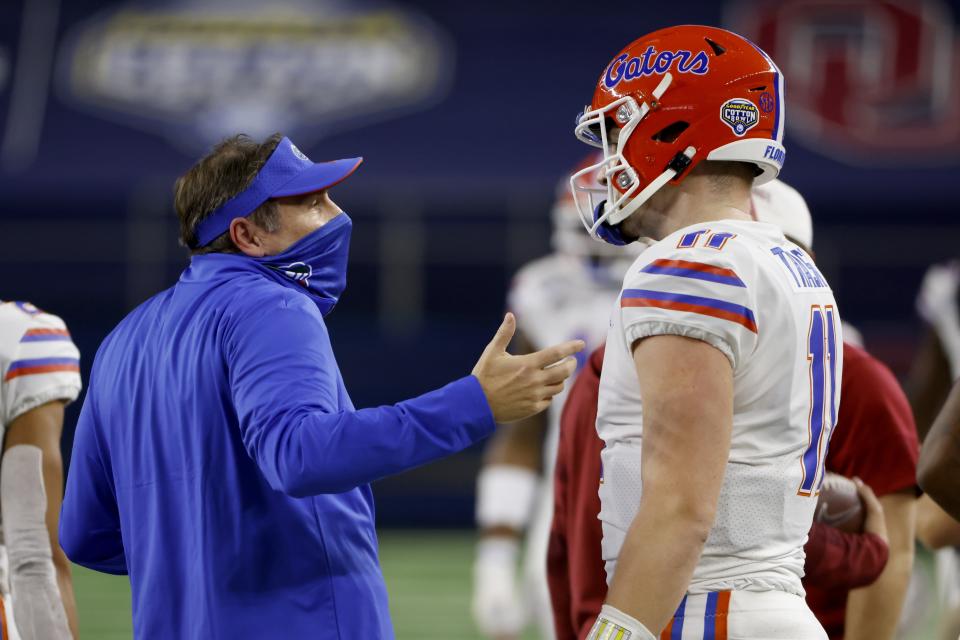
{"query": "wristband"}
pixel 505 496
pixel 613 624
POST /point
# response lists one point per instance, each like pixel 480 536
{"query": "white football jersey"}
pixel 564 297
pixel 759 299
pixel 38 363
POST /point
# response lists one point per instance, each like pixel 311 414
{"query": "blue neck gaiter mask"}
pixel 316 263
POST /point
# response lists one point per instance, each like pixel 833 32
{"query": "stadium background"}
pixel 464 113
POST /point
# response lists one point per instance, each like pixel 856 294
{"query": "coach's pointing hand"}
pixel 520 386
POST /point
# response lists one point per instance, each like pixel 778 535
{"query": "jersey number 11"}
pixel 822 359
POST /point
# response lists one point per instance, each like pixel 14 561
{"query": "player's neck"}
pixel 697 200
pixel 700 212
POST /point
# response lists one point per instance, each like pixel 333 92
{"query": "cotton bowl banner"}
pixel 196 71
pixel 867 81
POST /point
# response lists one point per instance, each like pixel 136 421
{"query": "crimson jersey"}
pixel 876 440
pixel 574 567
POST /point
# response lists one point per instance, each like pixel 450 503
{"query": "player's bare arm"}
pixel 873 612
pixel 936 529
pixel 938 470
pixel 687 390
pixel 928 384
pixel 41 427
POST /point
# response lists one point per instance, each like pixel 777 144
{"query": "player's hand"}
pixel 518 387
pixel 497 606
pixel 874 521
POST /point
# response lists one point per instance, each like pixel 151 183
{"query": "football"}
pixel 839 504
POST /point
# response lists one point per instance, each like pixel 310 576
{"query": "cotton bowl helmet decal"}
pixel 670 100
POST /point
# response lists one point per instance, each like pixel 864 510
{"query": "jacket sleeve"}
pixel 840 560
pixel 89 519
pixel 296 422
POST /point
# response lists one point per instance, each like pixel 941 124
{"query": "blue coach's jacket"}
pixel 219 461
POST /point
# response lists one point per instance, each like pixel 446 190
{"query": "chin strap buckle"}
pixel 681 161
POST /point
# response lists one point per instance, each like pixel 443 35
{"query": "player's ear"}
pixel 247 237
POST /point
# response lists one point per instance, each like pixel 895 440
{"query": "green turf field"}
pixel 428 577
pixel 427 573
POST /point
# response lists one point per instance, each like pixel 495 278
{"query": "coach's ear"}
pixel 248 237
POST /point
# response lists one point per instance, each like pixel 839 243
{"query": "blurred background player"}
pixel 834 559
pixel 567 294
pixel 935 368
pixel 40 369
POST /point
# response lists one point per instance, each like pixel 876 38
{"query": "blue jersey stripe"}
pixel 46 337
pixel 696 275
pixel 710 617
pixel 682 297
pixel 677 632
pixel 41 362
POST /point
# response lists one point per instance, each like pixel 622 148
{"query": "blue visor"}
pixel 288 172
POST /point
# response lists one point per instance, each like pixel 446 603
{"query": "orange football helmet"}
pixel 669 100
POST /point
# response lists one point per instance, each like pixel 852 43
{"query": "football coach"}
pixel 218 459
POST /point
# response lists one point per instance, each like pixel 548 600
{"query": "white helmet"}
pixel 782 205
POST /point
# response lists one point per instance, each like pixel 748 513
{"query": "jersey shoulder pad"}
pixel 696 260
pixel 695 283
pixel 22 322
pixel 38 362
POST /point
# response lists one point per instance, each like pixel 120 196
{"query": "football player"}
pixel 873 438
pixel 39 375
pixel 720 382
pixel 568 293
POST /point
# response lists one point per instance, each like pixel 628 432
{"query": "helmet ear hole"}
pixel 717 49
pixel 671 132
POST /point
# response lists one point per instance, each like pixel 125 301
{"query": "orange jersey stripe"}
pixel 4 634
pixel 720 621
pixel 668 631
pixel 50 368
pixel 693 308
pixel 47 332
pixel 696 266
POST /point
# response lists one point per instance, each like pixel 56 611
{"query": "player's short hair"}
pixel 220 175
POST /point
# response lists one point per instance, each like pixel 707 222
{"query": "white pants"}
pixel 535 561
pixel 744 615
